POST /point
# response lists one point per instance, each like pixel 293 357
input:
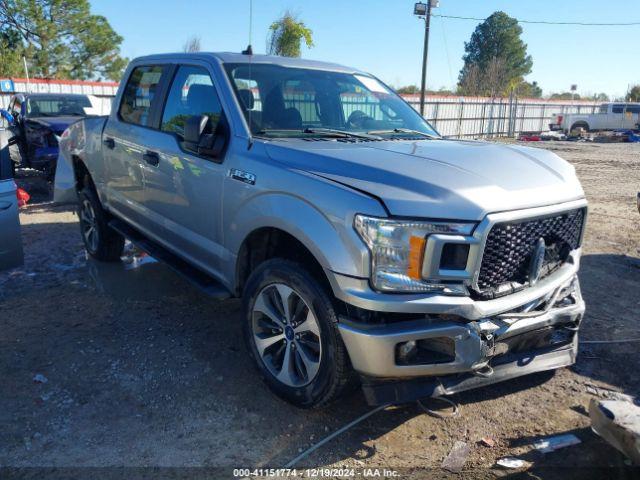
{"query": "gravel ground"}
pixel 128 365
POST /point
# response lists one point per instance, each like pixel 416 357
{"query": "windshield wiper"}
pixel 404 130
pixel 343 133
pixel 319 131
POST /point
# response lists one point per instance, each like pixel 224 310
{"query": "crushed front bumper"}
pixel 452 355
pixel 380 392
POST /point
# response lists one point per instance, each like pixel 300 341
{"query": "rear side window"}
pixel 139 94
pixel 633 108
pixel 192 93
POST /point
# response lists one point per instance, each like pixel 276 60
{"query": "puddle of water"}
pixel 136 261
pixel 137 276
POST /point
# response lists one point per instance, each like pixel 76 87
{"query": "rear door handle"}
pixel 110 143
pixel 152 158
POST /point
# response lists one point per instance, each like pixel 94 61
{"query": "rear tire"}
pixel 101 241
pixel 583 125
pixel 301 356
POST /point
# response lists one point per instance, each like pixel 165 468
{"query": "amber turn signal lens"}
pixel 416 257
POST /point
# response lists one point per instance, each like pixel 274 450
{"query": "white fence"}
pixel 493 117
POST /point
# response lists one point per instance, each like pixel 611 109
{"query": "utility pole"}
pixel 424 10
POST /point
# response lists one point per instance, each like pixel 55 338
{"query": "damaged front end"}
pixel 42 148
pixel 440 355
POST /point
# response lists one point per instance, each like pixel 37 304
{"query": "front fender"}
pixel 330 239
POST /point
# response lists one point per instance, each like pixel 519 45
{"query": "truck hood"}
pixel 56 124
pixel 463 180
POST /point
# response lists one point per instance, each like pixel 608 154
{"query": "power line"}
pixel 446 49
pixel 543 22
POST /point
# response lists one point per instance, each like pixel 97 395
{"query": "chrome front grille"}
pixel 507 258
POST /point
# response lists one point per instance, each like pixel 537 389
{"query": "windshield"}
pixel 296 102
pixel 57 106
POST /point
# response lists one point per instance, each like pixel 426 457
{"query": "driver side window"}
pixel 192 94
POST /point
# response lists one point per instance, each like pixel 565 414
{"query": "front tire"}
pixel 101 241
pixel 292 335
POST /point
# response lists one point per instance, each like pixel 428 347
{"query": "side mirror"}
pixel 194 128
pixel 205 136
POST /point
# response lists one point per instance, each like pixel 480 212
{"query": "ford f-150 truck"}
pixel 610 116
pixel 367 248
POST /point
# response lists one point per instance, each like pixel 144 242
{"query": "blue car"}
pixel 36 122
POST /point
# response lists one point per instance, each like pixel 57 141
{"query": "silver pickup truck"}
pixel 367 248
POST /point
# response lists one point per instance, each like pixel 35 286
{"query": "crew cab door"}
pixel 183 190
pixel 11 254
pixel 127 137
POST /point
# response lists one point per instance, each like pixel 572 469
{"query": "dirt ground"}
pixel 140 369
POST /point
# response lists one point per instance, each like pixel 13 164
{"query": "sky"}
pixel 383 37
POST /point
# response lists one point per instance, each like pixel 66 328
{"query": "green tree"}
pixel 597 97
pixel 414 89
pixel 10 58
pixel 408 90
pixel 286 35
pixel 495 59
pixel 529 90
pixel 62 39
pixel 564 96
pixel 634 94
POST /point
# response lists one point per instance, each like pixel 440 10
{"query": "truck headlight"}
pixel 397 250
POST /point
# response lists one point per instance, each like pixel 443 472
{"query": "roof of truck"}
pixel 231 57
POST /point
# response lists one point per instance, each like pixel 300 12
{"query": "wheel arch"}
pixel 278 224
pixel 81 173
pixel 580 123
pixel 265 243
pixel 83 177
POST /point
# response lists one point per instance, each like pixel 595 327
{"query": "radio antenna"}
pixel 249 51
pixel 250 23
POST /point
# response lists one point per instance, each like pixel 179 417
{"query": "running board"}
pixel 197 277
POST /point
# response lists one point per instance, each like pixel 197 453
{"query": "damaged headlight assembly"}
pixel 397 250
